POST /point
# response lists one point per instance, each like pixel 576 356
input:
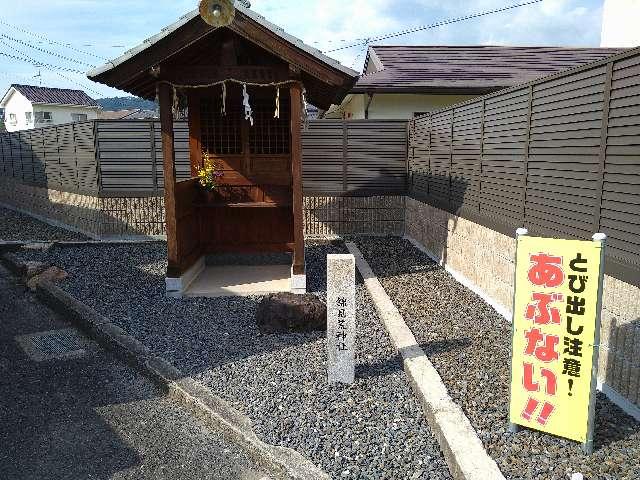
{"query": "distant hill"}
pixel 125 103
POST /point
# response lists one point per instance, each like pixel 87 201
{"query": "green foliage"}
pixel 126 103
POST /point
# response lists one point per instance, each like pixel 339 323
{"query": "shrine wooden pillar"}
pixel 165 100
pixel 296 171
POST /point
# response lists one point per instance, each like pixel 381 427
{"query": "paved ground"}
pixel 90 416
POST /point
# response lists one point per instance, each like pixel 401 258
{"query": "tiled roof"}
pixel 55 96
pixel 242 6
pixel 423 69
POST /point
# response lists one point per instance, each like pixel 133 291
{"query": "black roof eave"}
pixel 425 90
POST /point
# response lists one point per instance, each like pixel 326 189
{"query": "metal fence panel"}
pixel 354 157
pixel 560 156
pixel 67 152
pixel 124 155
pixel 620 206
pixel 323 157
pixel 376 157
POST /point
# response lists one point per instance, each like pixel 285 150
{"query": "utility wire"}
pixel 49 67
pixel 360 53
pixel 39 64
pixel 26 57
pixel 84 87
pixel 48 40
pixel 437 24
pixel 48 52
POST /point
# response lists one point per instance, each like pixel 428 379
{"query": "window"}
pixel 29 117
pixel 221 133
pixel 13 119
pixel 78 117
pixel 269 135
pixel 44 117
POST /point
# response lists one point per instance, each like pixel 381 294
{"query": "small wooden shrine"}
pixel 244 84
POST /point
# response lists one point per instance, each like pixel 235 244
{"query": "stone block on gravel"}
pixel 341 318
pixel 287 312
pixel 31 269
pixel 51 274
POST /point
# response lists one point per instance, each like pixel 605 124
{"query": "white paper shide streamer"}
pixel 305 110
pixel 224 99
pixel 277 112
pixel 248 113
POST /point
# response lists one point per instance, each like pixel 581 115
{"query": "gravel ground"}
pixel 373 429
pixel 17 226
pixel 469 344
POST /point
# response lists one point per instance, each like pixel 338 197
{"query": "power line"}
pixel 84 87
pixel 48 40
pixel 101 45
pixel 360 53
pixel 28 59
pixel 437 24
pixel 39 64
pixel 54 54
pixel 49 67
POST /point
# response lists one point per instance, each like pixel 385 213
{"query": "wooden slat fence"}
pixel 355 157
pixel 124 158
pixel 58 157
pixel 560 156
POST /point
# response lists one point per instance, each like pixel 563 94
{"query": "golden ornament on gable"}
pixel 217 13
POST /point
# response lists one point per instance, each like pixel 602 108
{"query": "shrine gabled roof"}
pixel 109 73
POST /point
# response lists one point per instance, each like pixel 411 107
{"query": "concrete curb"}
pixel 282 462
pixel 17 244
pixel 13 264
pixel 10 245
pixel 464 452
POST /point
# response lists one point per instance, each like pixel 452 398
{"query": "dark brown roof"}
pixel 55 96
pixel 466 69
pixel 326 80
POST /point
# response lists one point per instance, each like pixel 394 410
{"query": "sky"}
pixel 76 34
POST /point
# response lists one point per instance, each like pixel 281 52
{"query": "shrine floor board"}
pixel 240 280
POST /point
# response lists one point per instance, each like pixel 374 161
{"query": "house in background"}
pixel 620 23
pixel 400 82
pixel 28 106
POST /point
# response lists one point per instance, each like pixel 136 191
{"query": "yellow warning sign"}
pixel 555 326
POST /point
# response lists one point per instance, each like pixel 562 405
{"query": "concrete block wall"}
pixel 486 259
pixel 126 217
pixel 375 215
pixel 132 216
pixel 79 212
pixel 97 217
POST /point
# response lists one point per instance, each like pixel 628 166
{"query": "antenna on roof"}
pixel 39 77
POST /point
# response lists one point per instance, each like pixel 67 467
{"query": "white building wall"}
pixel 62 114
pixel 620 24
pixel 391 106
pixel 18 105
